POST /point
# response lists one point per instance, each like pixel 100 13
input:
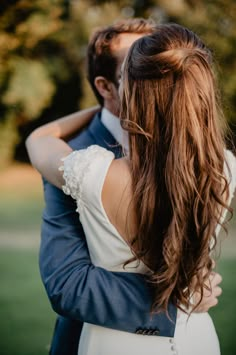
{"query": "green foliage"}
pixel 215 22
pixel 22 94
pixel 8 139
pixel 43 46
pixel 36 64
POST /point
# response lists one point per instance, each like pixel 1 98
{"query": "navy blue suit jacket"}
pixel 80 292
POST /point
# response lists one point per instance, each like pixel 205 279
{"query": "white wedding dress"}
pixel 84 174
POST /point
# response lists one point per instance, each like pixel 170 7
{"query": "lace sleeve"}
pixel 84 172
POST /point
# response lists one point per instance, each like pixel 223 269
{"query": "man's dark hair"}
pixel 100 58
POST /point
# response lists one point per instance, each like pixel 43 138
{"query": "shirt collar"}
pixel 112 124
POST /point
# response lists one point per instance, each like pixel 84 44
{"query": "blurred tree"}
pixel 43 45
pixel 39 76
pixel 215 22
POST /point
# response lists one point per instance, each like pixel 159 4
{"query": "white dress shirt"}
pixel 112 124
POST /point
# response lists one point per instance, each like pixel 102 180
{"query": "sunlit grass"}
pixel 25 213
pixel 224 314
pixel 27 320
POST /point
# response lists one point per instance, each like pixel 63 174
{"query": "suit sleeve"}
pixel 79 290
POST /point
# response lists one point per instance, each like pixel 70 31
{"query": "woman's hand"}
pixel 211 292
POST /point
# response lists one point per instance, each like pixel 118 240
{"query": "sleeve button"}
pixel 139 331
pixel 156 332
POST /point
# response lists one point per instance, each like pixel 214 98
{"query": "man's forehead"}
pixel 122 43
pixel 126 39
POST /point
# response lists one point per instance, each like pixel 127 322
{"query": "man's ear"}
pixel 104 87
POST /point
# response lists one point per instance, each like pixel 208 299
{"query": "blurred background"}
pixel 42 77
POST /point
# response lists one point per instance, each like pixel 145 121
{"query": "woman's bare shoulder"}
pixel 118 179
pixel 119 171
pixel 117 195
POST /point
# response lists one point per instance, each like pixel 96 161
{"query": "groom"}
pixel 78 291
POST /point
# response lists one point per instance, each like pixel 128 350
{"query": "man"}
pixel 77 289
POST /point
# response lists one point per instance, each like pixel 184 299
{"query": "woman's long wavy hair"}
pixel 170 107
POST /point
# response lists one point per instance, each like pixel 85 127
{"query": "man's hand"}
pixel 210 294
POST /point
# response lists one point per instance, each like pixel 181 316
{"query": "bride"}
pixel 157 210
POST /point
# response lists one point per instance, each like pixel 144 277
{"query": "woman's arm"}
pixel 46 145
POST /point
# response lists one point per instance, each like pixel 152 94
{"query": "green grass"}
pixel 27 320
pixel 20 213
pixel 224 314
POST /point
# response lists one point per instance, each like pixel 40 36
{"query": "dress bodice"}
pixel 84 173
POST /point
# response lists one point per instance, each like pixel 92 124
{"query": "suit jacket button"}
pixel 156 332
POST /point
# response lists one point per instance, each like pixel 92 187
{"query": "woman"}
pixel 156 211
